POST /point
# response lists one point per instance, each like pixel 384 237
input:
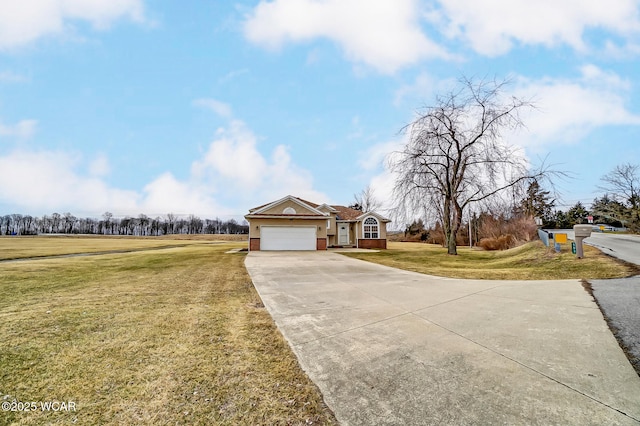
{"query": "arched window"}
pixel 371 228
pixel 289 210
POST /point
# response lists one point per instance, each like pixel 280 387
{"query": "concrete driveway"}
pixel 392 347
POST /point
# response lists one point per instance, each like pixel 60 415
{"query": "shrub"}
pixel 503 242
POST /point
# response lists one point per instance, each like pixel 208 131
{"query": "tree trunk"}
pixel 454 220
pixel 451 245
pixel 449 227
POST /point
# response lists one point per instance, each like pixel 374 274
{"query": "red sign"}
pixel 590 219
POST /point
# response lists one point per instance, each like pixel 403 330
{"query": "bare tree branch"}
pixel 366 200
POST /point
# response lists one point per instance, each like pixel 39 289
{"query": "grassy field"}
pixel 532 261
pixel 168 336
pixel 28 246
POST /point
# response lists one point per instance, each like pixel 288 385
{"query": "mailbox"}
pixel 583 231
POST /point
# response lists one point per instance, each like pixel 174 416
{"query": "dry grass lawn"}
pixel 532 261
pixel 12 247
pixel 171 336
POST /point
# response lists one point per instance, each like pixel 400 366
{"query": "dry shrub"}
pixel 493 232
pixel 522 228
pixel 436 235
pixel 503 242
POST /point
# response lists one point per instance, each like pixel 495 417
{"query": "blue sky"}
pixel 210 108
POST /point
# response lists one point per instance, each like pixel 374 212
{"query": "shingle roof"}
pixel 344 213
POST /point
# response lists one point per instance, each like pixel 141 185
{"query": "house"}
pixel 292 223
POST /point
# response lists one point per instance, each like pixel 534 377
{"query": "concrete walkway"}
pixel 392 347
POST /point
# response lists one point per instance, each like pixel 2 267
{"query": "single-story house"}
pixel 292 223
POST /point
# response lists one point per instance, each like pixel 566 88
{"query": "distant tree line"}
pixel 17 224
pixel 618 207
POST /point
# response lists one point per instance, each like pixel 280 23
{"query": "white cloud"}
pixel 166 194
pixel 384 34
pixel 23 129
pixel 232 176
pixel 24 21
pixel 222 109
pixel 568 110
pixel 423 84
pixel 384 183
pixel 627 50
pixel 99 166
pixel 493 26
pixel 375 156
pixel 234 164
pixel 47 181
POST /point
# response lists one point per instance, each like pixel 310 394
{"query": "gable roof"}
pixel 374 214
pixel 328 207
pixel 342 212
pixel 309 206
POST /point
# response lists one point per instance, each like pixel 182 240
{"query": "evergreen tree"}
pixel 538 203
pixel 577 214
pixel 609 211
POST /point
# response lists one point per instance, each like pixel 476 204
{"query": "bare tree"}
pixel 365 201
pixel 144 221
pixel 456 155
pixel 623 183
pixel 171 220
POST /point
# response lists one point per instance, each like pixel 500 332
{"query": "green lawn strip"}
pixel 531 261
pixel 177 336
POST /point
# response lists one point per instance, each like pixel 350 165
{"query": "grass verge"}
pixel 532 261
pixel 174 336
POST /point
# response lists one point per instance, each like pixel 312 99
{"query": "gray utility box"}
pixel 583 231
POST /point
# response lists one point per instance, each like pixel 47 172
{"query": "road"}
pixel 622 246
pixel 620 299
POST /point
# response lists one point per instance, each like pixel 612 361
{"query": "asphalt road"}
pixel 620 299
pixel 622 246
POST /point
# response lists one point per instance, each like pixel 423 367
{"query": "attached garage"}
pixel 288 238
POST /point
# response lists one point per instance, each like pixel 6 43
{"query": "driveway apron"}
pixel 392 347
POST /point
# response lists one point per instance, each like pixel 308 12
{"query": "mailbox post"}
pixel 581 232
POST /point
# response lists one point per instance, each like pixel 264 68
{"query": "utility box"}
pixel 583 231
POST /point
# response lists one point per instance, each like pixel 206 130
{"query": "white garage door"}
pixel 288 238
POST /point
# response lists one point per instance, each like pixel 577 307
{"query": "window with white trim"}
pixel 371 228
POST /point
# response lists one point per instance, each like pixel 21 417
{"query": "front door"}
pixel 343 234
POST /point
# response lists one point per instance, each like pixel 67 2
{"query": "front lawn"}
pixel 531 261
pixel 170 336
